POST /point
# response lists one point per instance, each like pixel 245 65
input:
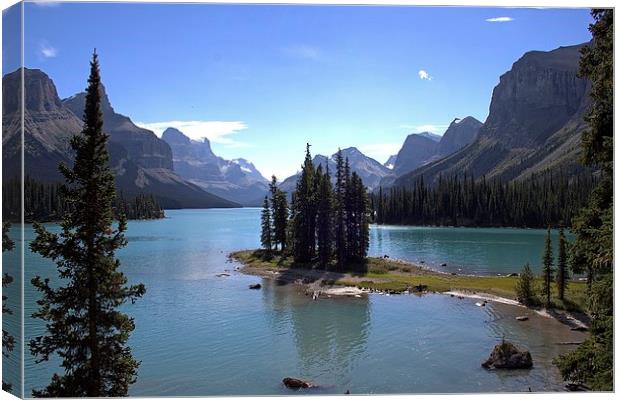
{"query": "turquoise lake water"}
pixel 199 334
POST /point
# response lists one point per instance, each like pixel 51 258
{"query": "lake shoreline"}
pixel 400 277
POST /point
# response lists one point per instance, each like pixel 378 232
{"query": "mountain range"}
pixel 535 123
pixel 237 180
pixel 142 162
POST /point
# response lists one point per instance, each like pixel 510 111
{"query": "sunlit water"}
pixel 199 334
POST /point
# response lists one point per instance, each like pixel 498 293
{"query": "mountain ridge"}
pixel 535 122
pixel 137 157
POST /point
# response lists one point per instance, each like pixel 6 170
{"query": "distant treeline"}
pixel 543 200
pixel 44 202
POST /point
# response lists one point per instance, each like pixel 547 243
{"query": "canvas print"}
pixel 272 199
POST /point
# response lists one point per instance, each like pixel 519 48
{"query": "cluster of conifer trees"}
pixel 592 253
pixel 560 274
pixel 45 202
pixel 326 223
pixel 546 199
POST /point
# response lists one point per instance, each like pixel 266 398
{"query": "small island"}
pixel 320 240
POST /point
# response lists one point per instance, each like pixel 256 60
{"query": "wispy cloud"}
pixel 47 51
pixel 433 128
pixel 499 19
pixel 303 51
pixel 380 151
pixel 424 75
pixel 215 131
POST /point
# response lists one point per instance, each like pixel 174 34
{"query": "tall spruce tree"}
pixel 266 236
pixel 279 214
pixel 8 341
pixel 85 329
pixel 561 277
pixel 325 230
pixel 592 363
pixel 304 217
pixel 547 269
pixel 340 212
pixel 361 218
pixel 280 220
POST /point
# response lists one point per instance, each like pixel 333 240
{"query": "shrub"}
pixel 524 289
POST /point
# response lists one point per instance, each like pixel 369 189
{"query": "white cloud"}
pixel 424 75
pixel 48 51
pixel 433 128
pixel 500 19
pixel 304 51
pixel 438 129
pixel 215 131
pixel 380 151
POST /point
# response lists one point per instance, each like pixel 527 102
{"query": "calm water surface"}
pixel 199 334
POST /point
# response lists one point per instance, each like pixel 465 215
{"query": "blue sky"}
pixel 261 81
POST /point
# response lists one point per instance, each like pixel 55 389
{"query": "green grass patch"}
pixel 388 275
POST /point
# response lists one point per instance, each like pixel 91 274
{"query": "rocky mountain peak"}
pixel 536 97
pixel 173 135
pixel 40 91
pixel 459 134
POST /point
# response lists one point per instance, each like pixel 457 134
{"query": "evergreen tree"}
pixel 592 363
pixel 279 214
pixel 325 230
pixel 8 341
pixel 84 327
pixel 525 292
pixel 547 269
pixel 280 220
pixel 340 211
pixel 266 235
pixel 561 277
pixel 304 217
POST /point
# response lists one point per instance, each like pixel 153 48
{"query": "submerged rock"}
pixel 255 286
pixel 295 383
pixel 507 356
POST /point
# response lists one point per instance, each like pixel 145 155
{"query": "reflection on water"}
pixel 200 334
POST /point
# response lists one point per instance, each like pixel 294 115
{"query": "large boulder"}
pixel 295 383
pixel 507 356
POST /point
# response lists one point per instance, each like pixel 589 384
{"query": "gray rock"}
pixel 507 356
pixel 296 383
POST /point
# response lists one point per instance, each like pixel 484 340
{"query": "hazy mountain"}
pixel 142 163
pixel 535 122
pixel 370 170
pixel 459 134
pixel 237 180
pixel 418 149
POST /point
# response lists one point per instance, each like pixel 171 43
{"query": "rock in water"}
pixel 522 318
pixel 295 383
pixel 255 286
pixel 507 356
